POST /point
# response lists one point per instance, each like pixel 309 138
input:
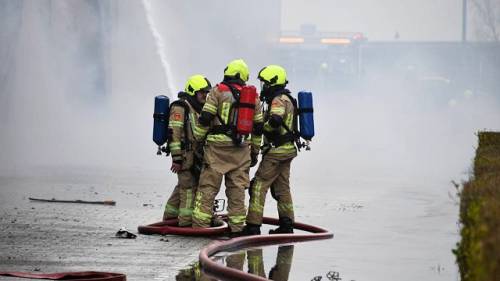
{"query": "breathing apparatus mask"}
pixel 193 101
pixel 267 92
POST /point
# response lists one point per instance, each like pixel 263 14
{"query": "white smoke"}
pixel 50 114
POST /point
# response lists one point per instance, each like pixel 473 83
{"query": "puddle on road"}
pixel 272 262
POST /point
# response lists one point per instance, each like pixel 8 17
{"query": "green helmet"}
pixel 197 83
pixel 273 75
pixel 237 68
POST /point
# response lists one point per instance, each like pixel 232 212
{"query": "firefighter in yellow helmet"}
pixel 281 270
pixel 277 153
pixel 256 262
pixel 187 155
pixel 225 154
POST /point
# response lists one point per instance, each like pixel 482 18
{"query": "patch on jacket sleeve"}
pixel 177 117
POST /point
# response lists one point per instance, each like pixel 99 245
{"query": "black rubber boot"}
pixel 251 229
pixel 216 221
pixel 286 226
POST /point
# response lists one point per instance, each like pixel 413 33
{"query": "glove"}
pixel 176 166
pixel 272 135
pixel 254 159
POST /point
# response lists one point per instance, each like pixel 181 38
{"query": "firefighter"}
pixel 193 273
pixel 277 153
pixel 256 262
pixel 281 270
pixel 187 154
pixel 226 154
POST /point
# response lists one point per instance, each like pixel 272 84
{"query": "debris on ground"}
pixel 105 202
pixel 125 234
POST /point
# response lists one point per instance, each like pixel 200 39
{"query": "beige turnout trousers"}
pixel 274 172
pixel 181 201
pixel 233 163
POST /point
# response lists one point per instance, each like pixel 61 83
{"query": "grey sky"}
pixel 415 20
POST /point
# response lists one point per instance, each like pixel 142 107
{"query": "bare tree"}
pixel 487 17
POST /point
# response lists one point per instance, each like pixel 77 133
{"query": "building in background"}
pixel 310 55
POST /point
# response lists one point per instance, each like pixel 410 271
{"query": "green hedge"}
pixel 478 252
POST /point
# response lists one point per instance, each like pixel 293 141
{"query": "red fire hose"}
pixel 81 276
pixel 230 274
pixel 170 227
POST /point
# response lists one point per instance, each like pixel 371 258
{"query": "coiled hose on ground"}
pixel 222 272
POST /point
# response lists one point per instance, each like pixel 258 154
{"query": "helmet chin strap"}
pixel 233 80
pixel 197 106
pixel 268 93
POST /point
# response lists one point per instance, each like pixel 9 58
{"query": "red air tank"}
pixel 246 110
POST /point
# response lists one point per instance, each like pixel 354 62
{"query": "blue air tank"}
pixel 306 119
pixel 160 116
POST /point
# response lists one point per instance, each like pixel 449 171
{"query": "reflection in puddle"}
pixel 255 264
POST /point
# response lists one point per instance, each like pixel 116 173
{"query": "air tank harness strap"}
pixel 282 139
pixel 244 105
pixel 278 141
pixel 223 129
pixel 294 131
pixel 160 116
pixel 230 128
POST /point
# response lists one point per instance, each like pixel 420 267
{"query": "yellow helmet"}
pixel 273 75
pixel 197 83
pixel 237 68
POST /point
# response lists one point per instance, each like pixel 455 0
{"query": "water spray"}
pixel 160 46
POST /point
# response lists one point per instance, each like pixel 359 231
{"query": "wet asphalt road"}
pixel 55 237
pixel 383 230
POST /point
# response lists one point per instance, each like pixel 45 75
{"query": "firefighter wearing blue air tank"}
pixel 277 153
pixel 186 154
pixel 227 153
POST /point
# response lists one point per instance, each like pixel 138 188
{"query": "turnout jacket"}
pixel 220 102
pixel 281 106
pixel 181 124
